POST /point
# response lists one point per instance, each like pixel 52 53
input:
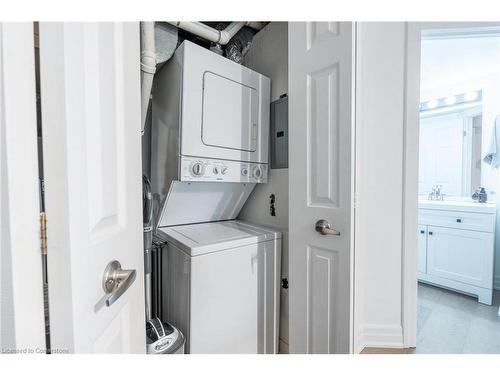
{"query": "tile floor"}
pixel 454 323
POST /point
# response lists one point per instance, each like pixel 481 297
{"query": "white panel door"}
pixel 90 91
pixel 460 255
pixel 21 294
pixel 422 248
pixel 320 170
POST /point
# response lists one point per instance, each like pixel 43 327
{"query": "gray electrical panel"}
pixel 279 133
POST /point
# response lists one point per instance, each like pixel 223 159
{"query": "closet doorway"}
pixel 452 270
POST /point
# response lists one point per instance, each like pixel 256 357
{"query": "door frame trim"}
pixel 354 70
pixel 410 162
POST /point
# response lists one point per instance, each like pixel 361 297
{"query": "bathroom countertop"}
pixel 458 205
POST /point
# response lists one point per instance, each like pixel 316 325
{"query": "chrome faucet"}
pixel 436 194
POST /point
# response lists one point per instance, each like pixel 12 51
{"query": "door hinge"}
pixel 43 233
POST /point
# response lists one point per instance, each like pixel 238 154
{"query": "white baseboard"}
pixel 381 336
pixel 496 282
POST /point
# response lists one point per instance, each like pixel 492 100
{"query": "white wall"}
pixel 268 55
pixel 380 114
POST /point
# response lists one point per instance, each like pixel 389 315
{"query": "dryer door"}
pixel 230 113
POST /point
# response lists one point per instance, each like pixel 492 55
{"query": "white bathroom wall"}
pixel 380 117
pixel 268 55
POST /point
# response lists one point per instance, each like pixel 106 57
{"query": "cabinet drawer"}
pixel 457 219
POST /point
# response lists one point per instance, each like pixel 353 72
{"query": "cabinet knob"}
pixel 422 231
pixel 430 233
pixel 459 220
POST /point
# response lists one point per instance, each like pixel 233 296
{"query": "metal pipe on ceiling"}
pixel 213 35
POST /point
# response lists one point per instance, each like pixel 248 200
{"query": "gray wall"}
pixel 268 55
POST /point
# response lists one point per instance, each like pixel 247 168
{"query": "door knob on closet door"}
pixel 116 281
pixel 323 227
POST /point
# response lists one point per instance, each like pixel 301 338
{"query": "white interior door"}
pixel 21 295
pixel 320 84
pixel 90 92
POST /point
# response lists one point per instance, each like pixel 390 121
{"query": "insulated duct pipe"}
pixel 148 67
pixel 213 35
pixel 255 25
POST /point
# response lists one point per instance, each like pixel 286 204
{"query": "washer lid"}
pixel 198 239
pixel 197 202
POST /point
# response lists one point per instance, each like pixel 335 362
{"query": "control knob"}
pixel 197 168
pixel 257 172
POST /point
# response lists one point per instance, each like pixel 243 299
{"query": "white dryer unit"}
pixel 210 118
pixel 221 286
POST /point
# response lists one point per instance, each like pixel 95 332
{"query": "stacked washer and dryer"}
pixel 210 135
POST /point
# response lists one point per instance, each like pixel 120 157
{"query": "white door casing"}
pixel 320 180
pixel 90 92
pixel 21 295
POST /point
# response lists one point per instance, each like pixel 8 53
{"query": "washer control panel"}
pixel 201 169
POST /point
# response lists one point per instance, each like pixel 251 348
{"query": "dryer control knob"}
pixel 197 168
pixel 244 171
pixel 223 170
pixel 257 172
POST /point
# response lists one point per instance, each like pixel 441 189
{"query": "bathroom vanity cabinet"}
pixel 456 247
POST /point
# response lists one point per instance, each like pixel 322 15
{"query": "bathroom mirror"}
pixel 450 147
pixel 459 101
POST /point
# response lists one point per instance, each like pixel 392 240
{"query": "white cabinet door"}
pixel 320 175
pixel 422 248
pixel 461 255
pixel 90 91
